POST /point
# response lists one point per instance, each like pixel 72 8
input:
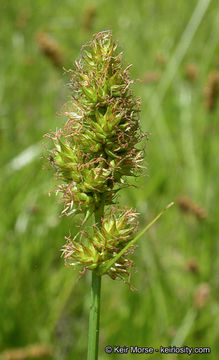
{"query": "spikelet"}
pixel 188 205
pixel 50 48
pixel 191 72
pixel 202 295
pixel 211 90
pixel 92 252
pixel 192 266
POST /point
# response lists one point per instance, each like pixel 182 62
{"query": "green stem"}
pixel 94 319
pixel 93 334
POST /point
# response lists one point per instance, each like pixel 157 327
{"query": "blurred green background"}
pixel 174 49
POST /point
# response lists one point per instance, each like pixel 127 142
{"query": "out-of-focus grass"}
pixel 41 301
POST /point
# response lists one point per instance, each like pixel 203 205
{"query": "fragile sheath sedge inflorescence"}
pixel 94 154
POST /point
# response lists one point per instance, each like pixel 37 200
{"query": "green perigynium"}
pixel 95 152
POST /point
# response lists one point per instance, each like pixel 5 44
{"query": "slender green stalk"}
pixel 94 319
pixel 93 334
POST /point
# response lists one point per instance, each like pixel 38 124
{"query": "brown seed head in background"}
pixel 211 90
pixel 202 295
pixel 192 266
pixel 187 205
pixel 191 72
pixel 50 48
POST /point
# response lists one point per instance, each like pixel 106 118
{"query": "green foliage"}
pixel 39 296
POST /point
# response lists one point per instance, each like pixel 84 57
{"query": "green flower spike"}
pixel 97 146
pixel 96 250
pixel 94 154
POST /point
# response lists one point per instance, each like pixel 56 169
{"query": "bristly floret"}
pixel 97 146
pixel 94 251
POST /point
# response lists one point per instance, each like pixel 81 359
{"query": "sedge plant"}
pixel 94 155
